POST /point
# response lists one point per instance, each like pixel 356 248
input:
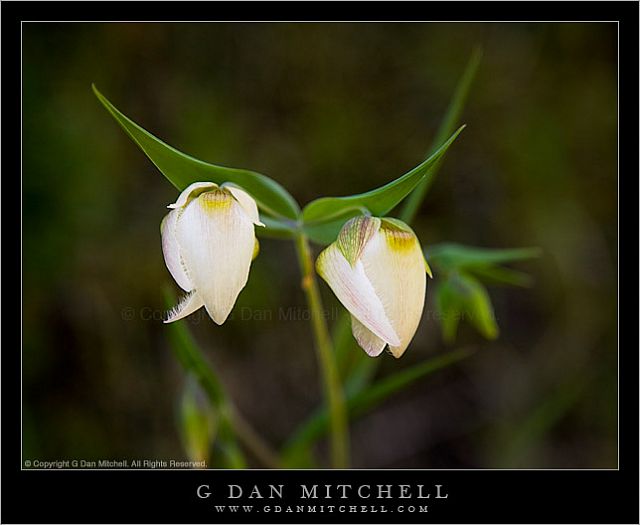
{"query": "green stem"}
pixel 334 396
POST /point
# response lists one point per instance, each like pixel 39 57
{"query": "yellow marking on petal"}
pixel 394 263
pixel 256 250
pixel 398 240
pixel 216 200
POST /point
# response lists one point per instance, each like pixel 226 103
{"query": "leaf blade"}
pixel 412 203
pixel 378 201
pixel 447 125
pixel 360 403
pixel 462 256
pixel 461 296
pixel 500 275
pixel 182 169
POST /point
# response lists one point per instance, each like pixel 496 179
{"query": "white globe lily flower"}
pixel 208 242
pixel 377 270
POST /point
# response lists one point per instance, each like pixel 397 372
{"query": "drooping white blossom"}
pixel 378 272
pixel 208 242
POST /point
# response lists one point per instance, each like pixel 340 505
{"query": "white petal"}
pixel 355 292
pixel 246 201
pixel 394 264
pixel 192 191
pixel 367 340
pixel 171 251
pixel 217 242
pixel 189 304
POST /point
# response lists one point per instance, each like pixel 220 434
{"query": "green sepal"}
pixel 355 235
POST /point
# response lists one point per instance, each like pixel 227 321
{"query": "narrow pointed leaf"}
pixel 447 125
pixel 449 308
pixel 480 309
pixel 461 297
pixel 181 169
pixel 383 389
pixel 190 357
pixel 451 255
pixel 316 426
pixel 379 201
pixel 500 275
pixel 362 373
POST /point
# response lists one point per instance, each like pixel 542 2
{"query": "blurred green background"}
pixel 325 109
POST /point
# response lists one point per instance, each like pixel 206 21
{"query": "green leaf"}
pixel 363 371
pixel 458 256
pixel 499 275
pixel 383 389
pixel 450 120
pixel 461 296
pixel 378 202
pixel 191 359
pixel 366 400
pixel 181 169
pixel 449 307
pixel 326 232
pixel 448 124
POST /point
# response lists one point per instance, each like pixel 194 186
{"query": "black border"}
pixel 474 496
